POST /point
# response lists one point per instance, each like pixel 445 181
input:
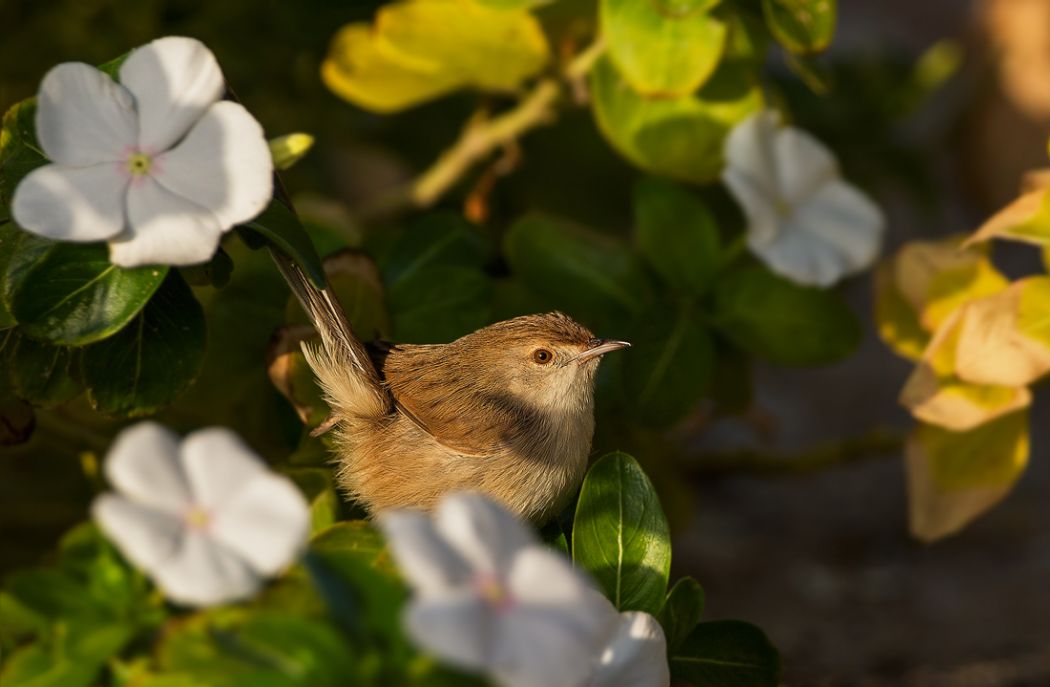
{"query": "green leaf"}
pixel 41 373
pixel 620 534
pixel 439 304
pixel 355 564
pixel 663 48
pixel 280 226
pixel 20 152
pixel 10 236
pixel 41 665
pixel 241 648
pixel 681 137
pixel 681 612
pixel 316 485
pixel 592 277
pixel 216 272
pixel 782 322
pixel 669 366
pixel 677 234
pixel 801 26
pixel 727 653
pixel 71 294
pixel 438 239
pixel 153 360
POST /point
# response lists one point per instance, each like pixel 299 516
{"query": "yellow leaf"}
pixel 895 318
pixel 1026 219
pixel 953 477
pixel 422 49
pixel 936 395
pixel 1005 338
pixel 936 277
pixel 922 285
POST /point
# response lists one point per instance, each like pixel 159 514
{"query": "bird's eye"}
pixel 542 356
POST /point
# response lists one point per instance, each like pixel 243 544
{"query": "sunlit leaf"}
pixel 316 485
pixel 70 293
pixel 1005 338
pixel 663 48
pixel 953 477
pixel 801 26
pixel 402 61
pixel 620 534
pixel 936 395
pixel 679 137
pixel 1026 219
pixel 727 653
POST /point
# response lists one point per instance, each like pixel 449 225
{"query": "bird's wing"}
pixel 442 406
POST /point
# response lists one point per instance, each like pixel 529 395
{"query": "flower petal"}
pixel 145 535
pixel 203 573
pixel 425 559
pixel 218 466
pixel 143 465
pixel 266 523
pixel 636 654
pixel 847 219
pixel 455 628
pixel 803 164
pixel 223 164
pixel 750 153
pixel 836 233
pixel 801 257
pixel 83 117
pixel 174 80
pixel 760 209
pixel 542 647
pixel 538 575
pixel 483 532
pixel 164 229
pixel 72 203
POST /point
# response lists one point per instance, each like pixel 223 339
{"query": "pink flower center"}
pixel 493 592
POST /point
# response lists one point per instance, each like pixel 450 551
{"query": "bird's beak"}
pixel 599 347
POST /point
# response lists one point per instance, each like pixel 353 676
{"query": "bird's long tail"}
pixel 341 364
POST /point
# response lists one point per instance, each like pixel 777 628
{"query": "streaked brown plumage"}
pixel 507 410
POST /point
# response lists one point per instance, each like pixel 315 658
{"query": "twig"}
pixel 877 443
pixel 481 137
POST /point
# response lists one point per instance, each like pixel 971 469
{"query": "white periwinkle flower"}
pixel 490 597
pixel 804 221
pixel 157 165
pixel 204 517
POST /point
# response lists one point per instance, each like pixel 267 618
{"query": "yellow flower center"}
pixel 139 164
pixel 492 592
pixel 197 518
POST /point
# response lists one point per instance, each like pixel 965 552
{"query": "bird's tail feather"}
pixel 341 364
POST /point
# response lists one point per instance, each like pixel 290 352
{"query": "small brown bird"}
pixel 507 411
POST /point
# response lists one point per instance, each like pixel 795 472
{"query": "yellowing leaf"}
pixel 1026 219
pixel 953 477
pixel 663 48
pixel 895 318
pixel 1005 338
pixel 422 49
pixel 680 137
pixel 922 285
pixel 936 395
pixel 936 277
